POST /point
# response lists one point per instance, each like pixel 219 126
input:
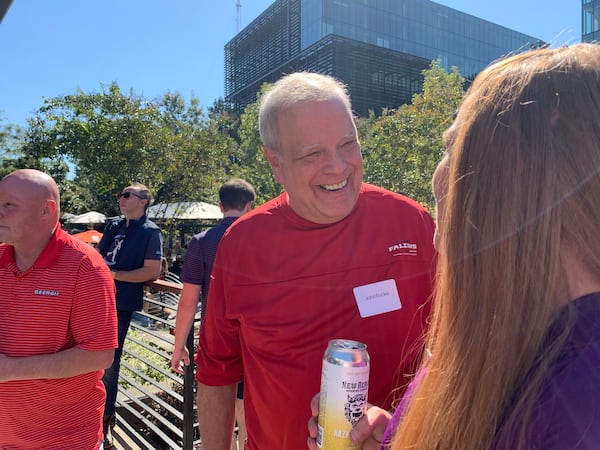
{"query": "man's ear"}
pixel 274 159
pixel 49 208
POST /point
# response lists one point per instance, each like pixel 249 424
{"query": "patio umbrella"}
pixel 89 236
pixel 88 218
pixel 185 211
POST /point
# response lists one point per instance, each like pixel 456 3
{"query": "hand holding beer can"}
pixel 343 397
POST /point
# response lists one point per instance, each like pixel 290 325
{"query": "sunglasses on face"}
pixel 129 194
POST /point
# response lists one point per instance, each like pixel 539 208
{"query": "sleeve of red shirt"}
pixel 219 357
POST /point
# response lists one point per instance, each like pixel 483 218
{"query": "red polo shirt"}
pixel 66 299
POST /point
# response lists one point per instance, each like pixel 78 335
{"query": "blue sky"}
pixel 52 48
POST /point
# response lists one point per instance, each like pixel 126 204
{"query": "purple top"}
pixel 566 414
pixel 200 256
pixel 395 420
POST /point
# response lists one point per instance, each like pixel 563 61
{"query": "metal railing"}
pixel 156 406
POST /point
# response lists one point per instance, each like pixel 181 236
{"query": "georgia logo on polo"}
pixel 46 292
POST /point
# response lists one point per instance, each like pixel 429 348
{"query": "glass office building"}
pixel 377 47
pixel 590 24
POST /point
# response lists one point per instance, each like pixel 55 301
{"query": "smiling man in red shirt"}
pixel 332 257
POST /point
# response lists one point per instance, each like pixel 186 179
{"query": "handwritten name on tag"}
pixel 377 298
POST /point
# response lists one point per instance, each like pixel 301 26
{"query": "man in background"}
pixel 332 257
pixel 132 248
pixel 235 199
pixel 59 327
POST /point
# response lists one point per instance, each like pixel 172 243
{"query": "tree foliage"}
pixel 402 147
pixel 11 137
pixel 196 160
pixel 253 165
pixel 112 139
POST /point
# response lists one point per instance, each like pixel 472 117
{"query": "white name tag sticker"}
pixel 377 298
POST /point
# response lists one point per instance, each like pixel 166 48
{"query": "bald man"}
pixel 58 331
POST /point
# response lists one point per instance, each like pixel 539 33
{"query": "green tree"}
pixel 199 154
pixel 11 139
pixel 252 163
pixel 107 136
pixel 224 119
pixel 16 154
pixel 110 138
pixel 402 147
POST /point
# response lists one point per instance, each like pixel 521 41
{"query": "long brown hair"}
pixel 523 182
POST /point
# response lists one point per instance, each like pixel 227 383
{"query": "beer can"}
pixel 344 389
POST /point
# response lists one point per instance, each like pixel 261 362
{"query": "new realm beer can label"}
pixel 344 389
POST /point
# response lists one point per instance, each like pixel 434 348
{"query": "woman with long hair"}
pixel 514 346
pixel 513 352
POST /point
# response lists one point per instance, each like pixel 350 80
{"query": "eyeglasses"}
pixel 129 194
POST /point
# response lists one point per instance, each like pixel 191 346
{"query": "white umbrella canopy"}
pixel 185 211
pixel 89 218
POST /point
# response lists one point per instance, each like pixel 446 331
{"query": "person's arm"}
pixel 66 363
pixel 216 415
pixel 149 271
pixel 186 310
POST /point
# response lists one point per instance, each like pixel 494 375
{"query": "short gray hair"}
pixel 293 89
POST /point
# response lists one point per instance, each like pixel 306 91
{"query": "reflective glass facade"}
pixel 417 27
pixel 377 47
pixel 590 24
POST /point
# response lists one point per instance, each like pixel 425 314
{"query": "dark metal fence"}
pixel 155 406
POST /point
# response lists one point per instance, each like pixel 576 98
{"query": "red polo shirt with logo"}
pixel 66 299
pixel 283 287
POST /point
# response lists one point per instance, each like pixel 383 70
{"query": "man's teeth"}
pixel 334 187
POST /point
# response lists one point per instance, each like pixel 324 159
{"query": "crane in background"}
pixel 238 6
